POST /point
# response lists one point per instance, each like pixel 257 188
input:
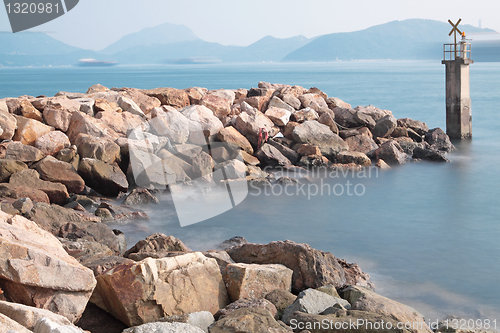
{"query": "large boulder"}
pixel 149 290
pixel 306 114
pixel 366 300
pixel 314 133
pixel 429 154
pixel 56 192
pixel 8 125
pixel 270 156
pixel 129 105
pixel 311 268
pixel 10 167
pixel 314 302
pixel 36 271
pixel 28 316
pixel 102 149
pixel 145 102
pixel 439 140
pixel 391 152
pixel 120 122
pixel 276 102
pixel 24 153
pixel 84 124
pixel 105 178
pixel 53 170
pixel 233 137
pixel 385 126
pixel 373 112
pixel 281 299
pixel 156 246
pixel 255 281
pixel 171 124
pixel 361 143
pixel 203 123
pixel 248 320
pixel 28 130
pixel 313 101
pixel 418 126
pixel 289 153
pixel 220 106
pixel 52 142
pixel 250 123
pixel 347 157
pixel 169 96
pixel 279 116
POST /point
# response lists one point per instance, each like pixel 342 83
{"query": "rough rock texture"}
pixel 129 105
pixel 28 130
pixel 248 320
pixel 36 271
pixel 8 125
pixel 356 157
pixel 306 114
pixel 56 192
pixel 8 325
pixel 151 289
pixel 361 143
pixel 220 106
pixel 171 124
pixel 202 319
pixel 19 192
pixel 204 125
pixel 418 126
pixel 162 327
pixel 140 196
pixel 28 316
pixel 366 300
pixel 391 152
pixel 53 170
pixel 270 156
pixel 52 142
pixel 249 125
pixel 84 124
pixel 105 178
pixel 156 246
pixel 354 275
pixel 102 149
pixel 255 281
pixel 19 152
pixel 289 153
pixel 276 102
pixel 233 137
pixel 328 119
pixel 281 300
pixel 313 302
pixel 169 96
pixel 314 133
pixel 247 303
pixel 10 167
pixel 279 116
pixel 438 139
pixel 385 126
pixel 145 102
pixel 46 325
pixel 429 154
pixel 311 268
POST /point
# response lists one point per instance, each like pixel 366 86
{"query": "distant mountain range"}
pixel 414 39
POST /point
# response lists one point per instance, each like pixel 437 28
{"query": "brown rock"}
pixel 140 196
pixel 8 125
pixel 202 165
pixel 220 106
pixel 281 300
pixel 384 127
pixel 255 281
pixel 102 105
pixel 102 149
pixel 361 143
pixel 279 116
pixel 310 161
pixel 307 150
pixel 328 119
pixel 195 94
pixel 28 130
pixel 232 136
pixel 145 102
pixel 169 96
pixel 347 157
pixel 291 100
pixel 36 271
pixel 333 103
pixel 270 156
pixel 382 165
pixel 355 276
pixel 97 88
pixel 57 193
pixel 250 124
pixel 85 124
pixel 311 268
pixel 8 325
pixel 29 111
pixel 53 170
pixel 249 159
pixel 288 131
pixel 148 290
pixel 52 142
pixel 306 114
pixel 58 112
pixel 418 126
pixel 313 101
pixel 246 303
pixel 105 178
pixel 248 320
pixel 120 122
pixel 391 152
pixel 314 133
pixel 156 246
pixel 10 167
pixel 203 124
pixel 28 316
pixel 19 192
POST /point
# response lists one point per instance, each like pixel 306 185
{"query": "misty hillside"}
pixel 32 44
pixel 163 34
pixel 414 39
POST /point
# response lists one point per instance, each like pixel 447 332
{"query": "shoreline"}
pixel 70 149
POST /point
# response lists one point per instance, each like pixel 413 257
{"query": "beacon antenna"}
pixel 27 15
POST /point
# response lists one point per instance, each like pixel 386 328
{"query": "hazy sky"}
pixel 94 24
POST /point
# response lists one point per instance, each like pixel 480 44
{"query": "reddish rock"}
pixel 307 150
pixel 361 143
pixel 145 102
pixel 28 130
pixel 307 114
pixel 24 153
pixel 56 192
pixel 232 136
pixel 169 96
pixel 220 106
pixel 195 94
pixel 19 192
pixel 279 116
pixel 52 142
pixel 333 103
pixel 418 126
pixel 85 124
pixel 53 170
pixel 250 124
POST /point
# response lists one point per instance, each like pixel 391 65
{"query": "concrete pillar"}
pixel 458 103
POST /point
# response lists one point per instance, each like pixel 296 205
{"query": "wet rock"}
pixel 311 268
pixel 233 137
pixel 313 302
pixel 366 300
pixel 255 281
pixel 246 303
pixel 314 133
pixel 429 154
pixel 439 140
pixel 105 178
pixel 52 142
pixel 169 96
pixel 391 152
pixel 156 246
pixel 52 170
pixel 270 156
pixel 248 320
pixel 9 167
pixel 146 291
pixel 38 272
pixel 28 130
pixel 385 126
pixel 56 192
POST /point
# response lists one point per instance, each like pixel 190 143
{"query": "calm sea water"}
pixel 427 233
